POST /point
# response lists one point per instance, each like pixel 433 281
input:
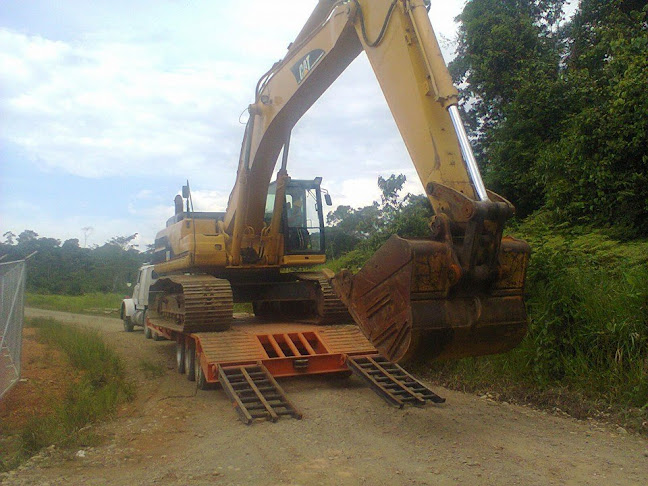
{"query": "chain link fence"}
pixel 12 312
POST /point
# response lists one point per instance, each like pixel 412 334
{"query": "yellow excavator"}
pixel 457 293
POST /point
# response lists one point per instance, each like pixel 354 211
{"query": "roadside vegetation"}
pixel 97 386
pixel 66 268
pixel 561 127
pixel 586 351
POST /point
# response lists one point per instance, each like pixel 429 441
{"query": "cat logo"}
pixel 306 64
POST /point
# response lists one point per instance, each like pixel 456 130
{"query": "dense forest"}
pixel 558 112
pixel 55 268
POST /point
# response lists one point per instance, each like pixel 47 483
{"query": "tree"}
pixel 9 238
pixel 69 269
pixel 598 170
pixel 508 59
pixel 123 242
pixel 390 189
pixel 367 228
pixel 71 244
pixel 559 114
pixel 87 231
pixel 27 236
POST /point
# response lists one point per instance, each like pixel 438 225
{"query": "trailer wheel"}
pixel 190 359
pixel 156 336
pixel 201 379
pixel 180 355
pixel 128 325
pixel 147 332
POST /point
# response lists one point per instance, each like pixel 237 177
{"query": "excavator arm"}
pixel 456 293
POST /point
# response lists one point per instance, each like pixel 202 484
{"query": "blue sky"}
pixel 107 107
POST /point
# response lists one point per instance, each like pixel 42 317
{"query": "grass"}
pixel 150 369
pixel 102 386
pixel 94 303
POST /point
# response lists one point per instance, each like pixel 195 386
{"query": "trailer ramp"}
pixel 255 394
pixel 391 382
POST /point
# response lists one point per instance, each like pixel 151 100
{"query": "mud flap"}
pixel 410 300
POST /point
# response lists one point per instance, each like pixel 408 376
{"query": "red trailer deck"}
pixel 246 359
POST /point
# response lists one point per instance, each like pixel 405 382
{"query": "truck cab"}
pixel 133 310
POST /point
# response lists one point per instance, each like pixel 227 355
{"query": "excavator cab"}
pixel 302 219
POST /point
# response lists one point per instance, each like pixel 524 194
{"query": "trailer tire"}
pixel 156 336
pixel 201 379
pixel 147 332
pixel 180 355
pixel 190 359
pixel 128 325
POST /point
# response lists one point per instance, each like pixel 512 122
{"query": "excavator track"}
pixel 192 303
pixel 330 309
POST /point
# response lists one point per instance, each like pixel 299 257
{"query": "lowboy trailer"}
pixel 247 359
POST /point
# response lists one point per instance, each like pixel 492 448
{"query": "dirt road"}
pixel 173 434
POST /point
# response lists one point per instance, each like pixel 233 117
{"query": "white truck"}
pixel 133 310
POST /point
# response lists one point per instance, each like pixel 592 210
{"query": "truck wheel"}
pixel 190 359
pixel 201 379
pixel 180 355
pixel 128 325
pixel 147 332
pixel 156 336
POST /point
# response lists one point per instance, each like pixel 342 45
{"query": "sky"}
pixel 108 107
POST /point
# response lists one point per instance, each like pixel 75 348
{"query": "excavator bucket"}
pixel 413 300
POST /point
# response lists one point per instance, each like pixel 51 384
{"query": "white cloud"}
pixel 108 109
pixel 109 103
pixel 145 194
pixel 111 90
pixel 205 200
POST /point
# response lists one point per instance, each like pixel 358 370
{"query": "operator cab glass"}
pixel 302 221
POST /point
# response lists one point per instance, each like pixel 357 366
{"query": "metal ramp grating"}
pixel 255 394
pixel 391 382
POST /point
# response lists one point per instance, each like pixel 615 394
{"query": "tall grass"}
pixel 94 303
pixel 102 386
pixel 587 298
pixel 588 304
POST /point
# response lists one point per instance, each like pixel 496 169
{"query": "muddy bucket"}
pixel 412 301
